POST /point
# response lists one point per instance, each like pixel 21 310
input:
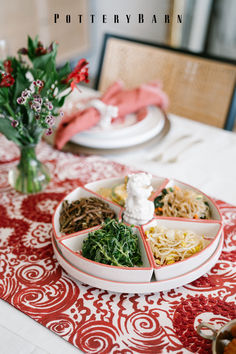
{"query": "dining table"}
pixel 41 304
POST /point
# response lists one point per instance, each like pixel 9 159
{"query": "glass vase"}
pixel 30 175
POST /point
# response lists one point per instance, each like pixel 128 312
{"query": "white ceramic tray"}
pixel 139 287
pixel 68 247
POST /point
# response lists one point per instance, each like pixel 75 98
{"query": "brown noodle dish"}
pixel 84 213
pixel 182 203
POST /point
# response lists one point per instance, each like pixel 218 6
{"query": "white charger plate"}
pixel 141 288
pixel 119 127
pixel 118 137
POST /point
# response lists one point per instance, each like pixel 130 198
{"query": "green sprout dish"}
pixel 114 244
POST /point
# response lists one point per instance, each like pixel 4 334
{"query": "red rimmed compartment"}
pixel 71 249
pixel 215 212
pixel 138 287
pixel 104 183
pixel 158 183
pixel 158 189
pixel 212 231
pixel 77 194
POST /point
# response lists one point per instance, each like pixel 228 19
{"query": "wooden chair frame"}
pixel 231 115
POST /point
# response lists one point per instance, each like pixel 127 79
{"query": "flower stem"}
pixel 11 112
pixel 31 175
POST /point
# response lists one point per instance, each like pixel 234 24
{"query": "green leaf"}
pixel 21 83
pixel 42 61
pixel 31 48
pixel 54 50
pixel 37 134
pixel 61 101
pixel 64 71
pixel 32 45
pixel 3 95
pixel 9 132
pixel 51 67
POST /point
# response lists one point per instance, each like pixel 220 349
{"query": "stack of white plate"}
pixel 126 133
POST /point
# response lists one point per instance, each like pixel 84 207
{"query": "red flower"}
pixel 7 80
pixel 23 51
pixel 39 50
pixel 80 73
pixel 7 66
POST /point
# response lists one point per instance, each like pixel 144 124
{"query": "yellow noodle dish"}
pixel 170 245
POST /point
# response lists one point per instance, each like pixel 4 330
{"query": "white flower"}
pixel 20 100
pixel 39 83
pixel 26 93
pixel 55 91
pixel 49 105
pixel 32 87
pixel 38 100
pixel 29 76
pixel 50 120
pixel 49 131
pixel 36 106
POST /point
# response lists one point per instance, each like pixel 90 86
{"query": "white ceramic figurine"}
pixel 138 209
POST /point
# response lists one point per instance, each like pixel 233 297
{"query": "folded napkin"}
pixel 127 101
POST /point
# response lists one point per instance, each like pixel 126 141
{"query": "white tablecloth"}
pixel 208 165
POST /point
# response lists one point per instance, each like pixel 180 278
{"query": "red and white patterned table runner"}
pixel 94 320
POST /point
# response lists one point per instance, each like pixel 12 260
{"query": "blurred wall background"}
pixel 144 31
pixel 19 18
pixel 208 26
pixel 221 38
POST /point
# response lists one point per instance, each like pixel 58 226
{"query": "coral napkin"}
pixel 127 101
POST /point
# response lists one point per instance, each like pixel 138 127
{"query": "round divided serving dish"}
pixel 150 276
